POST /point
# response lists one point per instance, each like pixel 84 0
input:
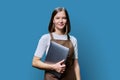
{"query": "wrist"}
pixel 52 67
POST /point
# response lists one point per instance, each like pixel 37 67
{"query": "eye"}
pixel 57 18
pixel 64 18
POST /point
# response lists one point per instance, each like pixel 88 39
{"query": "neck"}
pixel 59 32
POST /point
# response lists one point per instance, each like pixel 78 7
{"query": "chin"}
pixel 61 27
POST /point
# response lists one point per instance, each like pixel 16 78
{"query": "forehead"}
pixel 60 14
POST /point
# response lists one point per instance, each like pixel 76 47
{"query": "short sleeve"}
pixel 42 45
pixel 75 44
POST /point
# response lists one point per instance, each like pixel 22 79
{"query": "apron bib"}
pixel 69 73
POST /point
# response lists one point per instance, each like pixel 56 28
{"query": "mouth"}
pixel 61 24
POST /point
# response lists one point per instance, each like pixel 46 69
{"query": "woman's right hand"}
pixel 59 66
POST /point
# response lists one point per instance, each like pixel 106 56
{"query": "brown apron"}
pixel 69 73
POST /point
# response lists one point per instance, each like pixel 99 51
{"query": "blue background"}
pixel 95 23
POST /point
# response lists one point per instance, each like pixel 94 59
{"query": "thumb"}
pixel 62 61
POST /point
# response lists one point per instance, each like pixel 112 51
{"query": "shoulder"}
pixel 45 36
pixel 44 39
pixel 73 38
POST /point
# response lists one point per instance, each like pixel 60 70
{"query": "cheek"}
pixel 55 21
pixel 65 21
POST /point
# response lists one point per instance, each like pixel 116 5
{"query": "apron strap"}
pixel 68 37
pixel 51 36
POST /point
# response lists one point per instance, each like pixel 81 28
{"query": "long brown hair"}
pixel 68 26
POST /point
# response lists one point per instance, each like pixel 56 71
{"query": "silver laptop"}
pixel 55 54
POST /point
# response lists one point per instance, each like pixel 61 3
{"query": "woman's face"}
pixel 60 20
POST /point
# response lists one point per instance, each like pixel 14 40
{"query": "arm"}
pixel 59 67
pixel 41 48
pixel 41 65
pixel 77 69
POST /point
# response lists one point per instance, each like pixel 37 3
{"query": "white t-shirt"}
pixel 44 42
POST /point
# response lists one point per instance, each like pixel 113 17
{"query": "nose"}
pixel 61 20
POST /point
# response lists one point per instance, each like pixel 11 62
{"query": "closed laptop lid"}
pixel 56 52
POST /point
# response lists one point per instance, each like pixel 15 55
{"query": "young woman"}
pixel 59 28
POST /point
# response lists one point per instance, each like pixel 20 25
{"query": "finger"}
pixel 62 71
pixel 63 65
pixel 63 68
pixel 62 61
